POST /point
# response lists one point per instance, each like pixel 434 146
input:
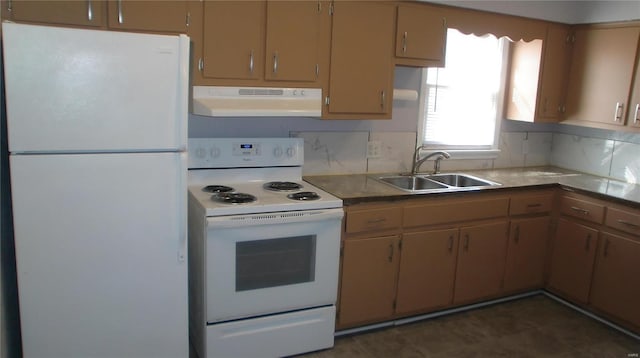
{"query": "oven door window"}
pixel 275 262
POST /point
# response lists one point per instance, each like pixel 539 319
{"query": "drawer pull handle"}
pixel 580 210
pixel 450 247
pixel 466 242
pixel 587 245
pixel 390 253
pixel 376 221
pixel 531 206
pixel 606 248
pixel 624 222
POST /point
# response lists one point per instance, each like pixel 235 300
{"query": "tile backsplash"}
pixel 342 152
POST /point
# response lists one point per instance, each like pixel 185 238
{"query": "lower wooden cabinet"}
pixel 480 261
pixel 615 289
pixel 526 253
pixel 368 283
pixel 427 270
pixel 572 260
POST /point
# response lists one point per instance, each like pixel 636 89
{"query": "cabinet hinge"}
pixel 327 100
pixel 188 20
pixel 571 38
pixel 400 245
pixel 331 9
pixel 319 6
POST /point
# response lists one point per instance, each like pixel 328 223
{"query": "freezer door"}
pixel 100 249
pixel 76 90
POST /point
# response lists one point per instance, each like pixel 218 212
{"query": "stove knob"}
pixel 200 153
pixel 215 152
pixel 277 152
pixel 291 152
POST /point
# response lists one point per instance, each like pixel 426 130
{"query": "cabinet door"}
pixel 574 251
pixel 526 253
pixel 293 40
pixel 481 258
pixel 553 80
pixel 161 16
pixel 233 39
pixel 421 34
pixel 427 270
pixel 83 13
pixel 601 74
pixel 368 283
pixel 633 115
pixel 361 78
pixel 615 287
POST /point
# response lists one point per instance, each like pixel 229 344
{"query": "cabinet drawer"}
pixel 531 204
pixel 585 210
pixel 627 221
pixel 455 210
pixel 373 219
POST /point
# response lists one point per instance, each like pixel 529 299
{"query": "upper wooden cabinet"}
pixel 131 15
pixel 233 39
pixel 82 13
pixel 361 76
pixel 255 42
pixel 153 16
pixel 556 55
pixel 421 35
pixel 601 74
pixel 538 77
pixel 633 109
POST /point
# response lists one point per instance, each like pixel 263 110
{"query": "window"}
pixel 463 101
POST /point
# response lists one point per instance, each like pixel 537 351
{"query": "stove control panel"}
pixel 245 152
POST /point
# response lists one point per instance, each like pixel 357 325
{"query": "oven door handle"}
pixel 288 217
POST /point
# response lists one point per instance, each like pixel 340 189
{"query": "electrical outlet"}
pixel 374 149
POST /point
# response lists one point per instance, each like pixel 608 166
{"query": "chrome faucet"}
pixel 436 165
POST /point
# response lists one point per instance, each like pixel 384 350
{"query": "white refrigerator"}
pixel 97 137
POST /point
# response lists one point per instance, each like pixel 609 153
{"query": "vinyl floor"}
pixel 535 326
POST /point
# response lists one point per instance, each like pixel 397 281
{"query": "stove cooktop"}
pixel 259 197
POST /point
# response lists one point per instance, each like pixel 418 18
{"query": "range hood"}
pixel 219 101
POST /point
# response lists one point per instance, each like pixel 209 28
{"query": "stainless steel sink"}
pixel 435 182
pixel 461 180
pixel 412 183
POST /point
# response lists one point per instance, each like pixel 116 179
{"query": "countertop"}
pixel 359 188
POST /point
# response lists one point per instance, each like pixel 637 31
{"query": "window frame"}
pixel 468 152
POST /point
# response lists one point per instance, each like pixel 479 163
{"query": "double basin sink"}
pixel 435 182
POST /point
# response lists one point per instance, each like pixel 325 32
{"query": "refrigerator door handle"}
pixel 182 208
pixel 183 93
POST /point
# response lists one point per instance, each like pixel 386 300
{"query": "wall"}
pixel 572 12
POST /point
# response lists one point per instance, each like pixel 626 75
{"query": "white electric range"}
pixel 263 250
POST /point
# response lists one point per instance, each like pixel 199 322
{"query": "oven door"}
pixel 267 263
